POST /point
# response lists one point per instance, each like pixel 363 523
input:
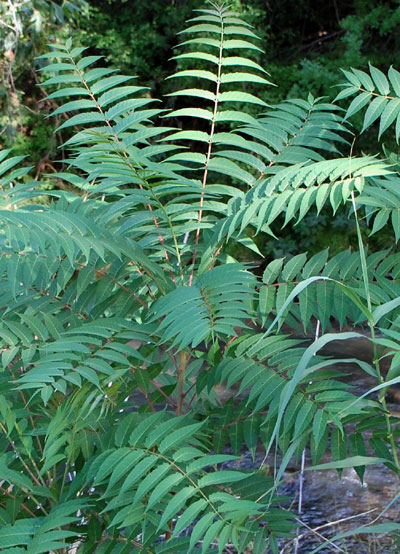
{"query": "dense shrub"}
pixel 124 310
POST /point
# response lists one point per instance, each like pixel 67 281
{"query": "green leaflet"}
pixel 163 488
pixel 197 74
pixel 82 119
pixel 389 114
pixel 217 479
pixel 177 504
pixel 375 109
pixel 12 477
pixel 189 515
pixel 240 44
pixel 86 61
pixel 108 83
pixel 349 462
pixel 197 56
pixel 380 80
pixel 116 94
pixel 358 103
pixel 239 60
pixel 394 78
pixel 238 77
pixel 178 436
pixel 320 423
pixel 364 79
pixel 237 96
pixel 203 28
pixel 192 112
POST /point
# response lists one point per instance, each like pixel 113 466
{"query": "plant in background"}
pixel 26 27
pixel 124 312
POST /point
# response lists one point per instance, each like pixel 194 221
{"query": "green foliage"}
pixel 380 93
pixel 305 46
pixel 136 37
pixel 125 312
pixel 25 30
